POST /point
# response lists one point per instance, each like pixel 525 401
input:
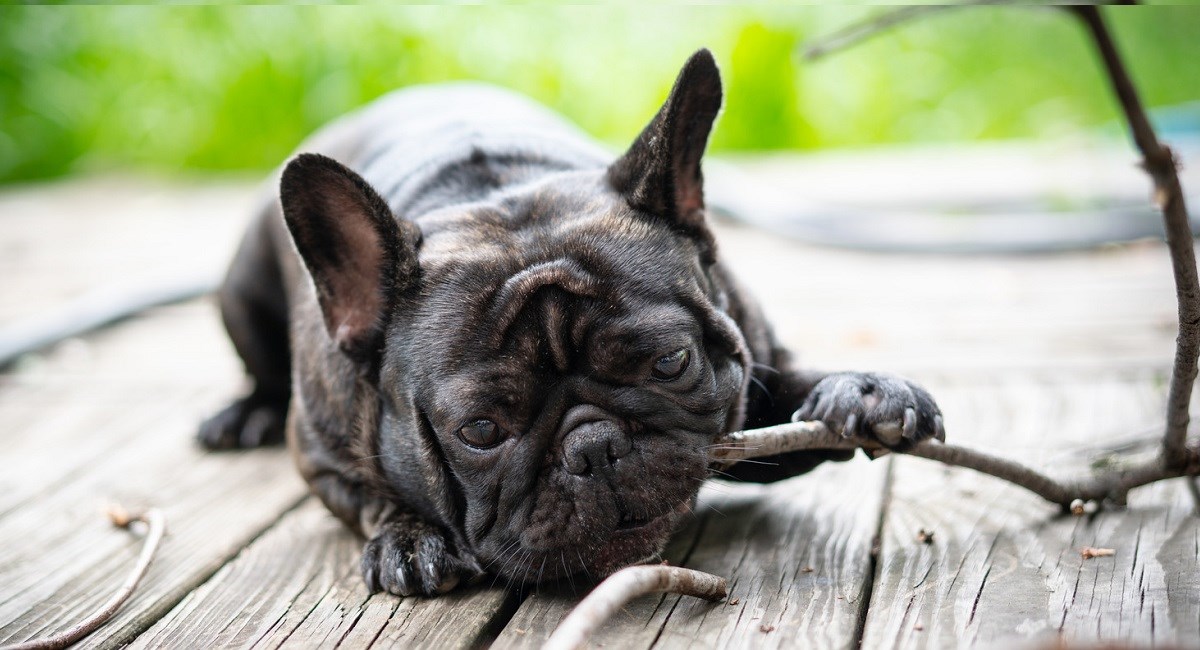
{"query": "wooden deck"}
pixel 1037 357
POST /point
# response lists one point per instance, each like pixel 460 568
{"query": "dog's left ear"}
pixel 660 174
pixel 360 256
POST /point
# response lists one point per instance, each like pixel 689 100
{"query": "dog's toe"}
pixel 410 559
pixel 248 422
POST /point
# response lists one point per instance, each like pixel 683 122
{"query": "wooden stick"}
pixel 1159 161
pixel 806 436
pixel 157 526
pixel 622 587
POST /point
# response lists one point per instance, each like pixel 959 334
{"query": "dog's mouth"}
pixel 636 538
pixel 631 522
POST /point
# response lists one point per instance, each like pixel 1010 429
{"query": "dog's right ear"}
pixel 360 256
pixel 660 173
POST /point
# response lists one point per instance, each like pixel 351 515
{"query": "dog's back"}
pixel 421 147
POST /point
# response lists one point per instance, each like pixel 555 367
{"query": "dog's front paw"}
pixel 891 409
pixel 409 558
pixel 248 422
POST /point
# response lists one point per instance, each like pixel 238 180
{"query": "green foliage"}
pixel 216 88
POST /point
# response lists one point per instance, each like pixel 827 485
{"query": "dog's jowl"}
pixel 494 349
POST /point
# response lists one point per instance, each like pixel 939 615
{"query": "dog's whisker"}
pixel 721 473
pixel 583 565
pixel 758 462
pixel 562 557
pixel 763 366
pixel 763 387
pixel 709 506
pixel 503 552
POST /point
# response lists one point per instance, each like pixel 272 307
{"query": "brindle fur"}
pixel 471 255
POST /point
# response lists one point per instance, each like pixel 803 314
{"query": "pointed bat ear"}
pixel 360 256
pixel 660 174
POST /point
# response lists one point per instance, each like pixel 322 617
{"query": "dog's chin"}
pixel 635 541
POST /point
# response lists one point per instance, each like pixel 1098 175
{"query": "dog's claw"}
pixel 910 423
pixel 252 421
pixel 850 429
pixel 888 410
pixel 411 558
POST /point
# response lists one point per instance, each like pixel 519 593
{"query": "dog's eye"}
pixel 480 433
pixel 671 366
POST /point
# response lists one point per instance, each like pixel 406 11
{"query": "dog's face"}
pixel 553 362
pixel 569 372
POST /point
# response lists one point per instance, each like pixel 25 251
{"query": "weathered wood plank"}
pixel 1005 567
pixel 796 554
pixel 86 399
pixel 299 585
pixel 65 239
pixel 927 313
pixel 61 557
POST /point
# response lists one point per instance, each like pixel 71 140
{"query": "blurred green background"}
pixel 182 89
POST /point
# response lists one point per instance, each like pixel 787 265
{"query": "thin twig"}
pixel 622 587
pixel 861 31
pixel 157 524
pixel 1159 161
pixel 805 436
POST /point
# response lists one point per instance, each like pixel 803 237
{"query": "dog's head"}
pixel 551 362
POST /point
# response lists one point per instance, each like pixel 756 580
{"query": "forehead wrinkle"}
pixel 515 294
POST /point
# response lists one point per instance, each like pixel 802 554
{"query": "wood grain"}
pixel 1005 567
pixel 299 585
pixel 61 557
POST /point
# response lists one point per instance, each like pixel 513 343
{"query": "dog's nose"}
pixel 591 448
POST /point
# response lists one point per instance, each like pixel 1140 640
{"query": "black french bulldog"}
pixel 497 350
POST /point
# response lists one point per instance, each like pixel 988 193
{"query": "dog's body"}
pixel 499 350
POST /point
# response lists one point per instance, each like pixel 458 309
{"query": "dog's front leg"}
pixel 404 554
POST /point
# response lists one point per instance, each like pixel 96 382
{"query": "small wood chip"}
pixel 735 601
pixel 118 515
pixel 806 569
pixel 925 536
pixel 1088 552
pixel 764 628
pixel 1077 508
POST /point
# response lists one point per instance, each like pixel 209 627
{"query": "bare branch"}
pixel 779 439
pixel 622 587
pixel 1159 161
pixel 805 436
pixel 157 523
pixel 861 31
pixel 858 32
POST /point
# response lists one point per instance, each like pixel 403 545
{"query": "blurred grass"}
pixel 86 89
